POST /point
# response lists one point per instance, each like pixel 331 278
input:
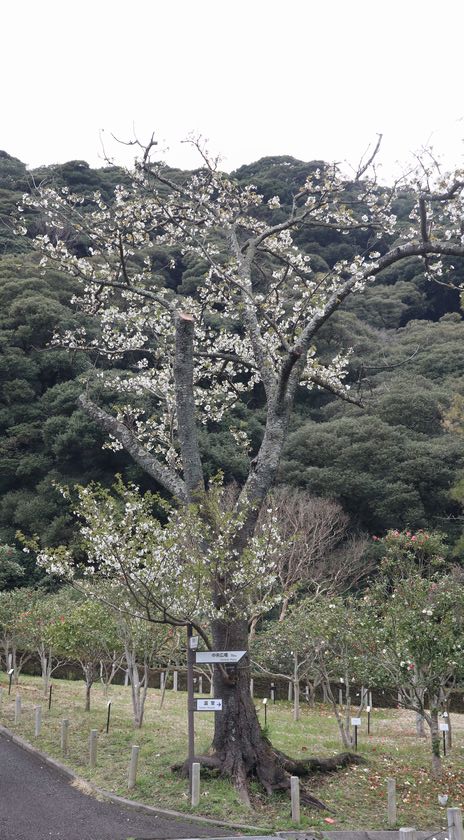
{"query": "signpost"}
pixel 229 657
pixel 197 657
pixel 208 705
pixel 192 644
pixel 444 727
pixel 355 721
pixel 368 710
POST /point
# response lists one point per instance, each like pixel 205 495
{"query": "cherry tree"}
pixel 252 325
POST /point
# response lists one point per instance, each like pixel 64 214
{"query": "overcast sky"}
pixel 313 79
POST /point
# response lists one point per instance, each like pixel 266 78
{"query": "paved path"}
pixel 39 803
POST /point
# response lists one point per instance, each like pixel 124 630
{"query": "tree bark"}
pixel 239 744
pixel 88 686
pixel 435 741
pixel 420 725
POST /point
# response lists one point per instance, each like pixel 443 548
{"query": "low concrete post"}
pixel 200 685
pixel 17 711
pixel 162 680
pixel 290 692
pixel 93 748
pixel 340 697
pixel 295 795
pixel 133 767
pixel 407 833
pixel 455 823
pixel 195 784
pixel 64 736
pixel 391 801
pixel 174 681
pixel 38 720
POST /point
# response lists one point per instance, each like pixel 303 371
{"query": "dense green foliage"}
pixel 391 463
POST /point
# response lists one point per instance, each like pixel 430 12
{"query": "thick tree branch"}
pixel 409 249
pixel 341 393
pixel 250 318
pixel 185 405
pixel 161 473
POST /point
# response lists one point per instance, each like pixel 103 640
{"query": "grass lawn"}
pixel 357 795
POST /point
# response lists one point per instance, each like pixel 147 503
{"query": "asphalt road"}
pixel 37 802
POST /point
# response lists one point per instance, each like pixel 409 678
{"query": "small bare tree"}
pixel 316 553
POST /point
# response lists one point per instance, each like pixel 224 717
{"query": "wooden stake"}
pixel 38 720
pixel 93 748
pixel 455 823
pixel 64 736
pixel 407 834
pixel 195 784
pixel 391 801
pixel 17 712
pixel 133 767
pixel 295 794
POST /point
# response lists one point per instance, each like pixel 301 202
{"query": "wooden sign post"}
pixel 444 728
pixel 355 721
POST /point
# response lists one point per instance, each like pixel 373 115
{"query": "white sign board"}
pixel 193 642
pixel 444 727
pixel 355 721
pixel 368 708
pixel 211 656
pixel 208 705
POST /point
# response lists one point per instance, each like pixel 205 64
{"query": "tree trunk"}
pixel 138 687
pixel 88 686
pixel 45 667
pixel 435 741
pixel 296 689
pixel 311 694
pixel 420 725
pixel 239 745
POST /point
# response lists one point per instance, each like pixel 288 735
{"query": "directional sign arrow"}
pixel 208 705
pixel 211 656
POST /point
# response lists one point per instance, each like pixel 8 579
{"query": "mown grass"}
pixel 356 795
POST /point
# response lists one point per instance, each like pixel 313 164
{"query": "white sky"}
pixel 309 78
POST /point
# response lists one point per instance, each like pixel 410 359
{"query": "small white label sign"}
pixel 208 705
pixel 211 656
pixel 355 721
pixel 368 708
pixel 444 727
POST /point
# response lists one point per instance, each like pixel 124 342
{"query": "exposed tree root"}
pixel 317 765
pixel 275 776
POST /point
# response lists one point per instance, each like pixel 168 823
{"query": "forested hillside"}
pixel 392 462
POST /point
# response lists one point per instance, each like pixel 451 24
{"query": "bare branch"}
pixel 160 472
pixel 363 167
